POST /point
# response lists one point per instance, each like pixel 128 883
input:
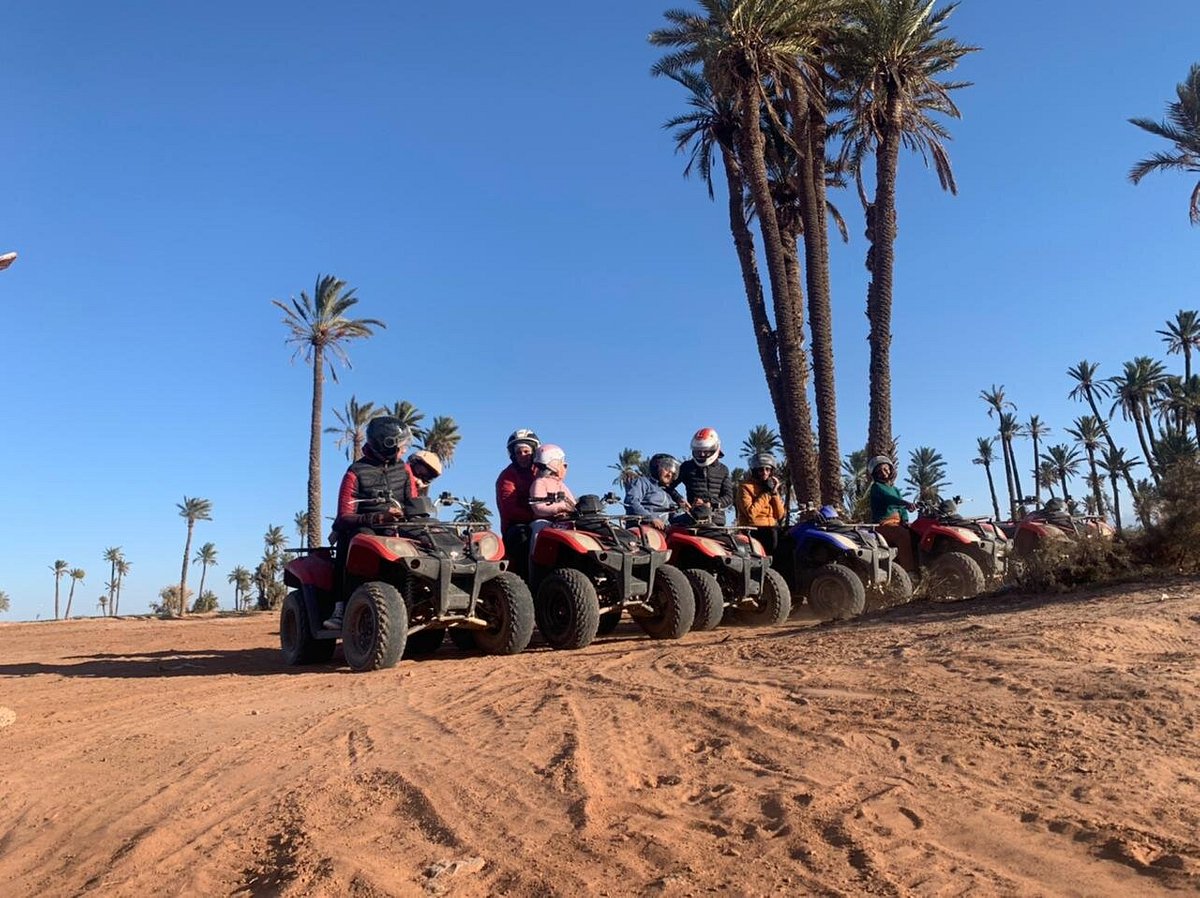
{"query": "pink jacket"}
pixel 545 485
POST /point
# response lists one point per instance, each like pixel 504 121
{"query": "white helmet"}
pixel 706 446
pixel 876 462
pixel 552 457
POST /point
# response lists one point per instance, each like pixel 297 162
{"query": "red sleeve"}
pixel 346 493
pixel 412 482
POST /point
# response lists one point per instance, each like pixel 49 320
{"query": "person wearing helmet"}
pixel 705 478
pixel 426 467
pixel 759 504
pixel 889 509
pixel 372 494
pixel 653 496
pixel 549 496
pixel 1055 514
pixel 512 497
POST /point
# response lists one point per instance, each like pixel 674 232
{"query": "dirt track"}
pixel 999 747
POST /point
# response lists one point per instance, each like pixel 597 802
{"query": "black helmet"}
pixel 388 437
pixel 522 435
pixel 763 460
pixel 662 462
pixel 1053 505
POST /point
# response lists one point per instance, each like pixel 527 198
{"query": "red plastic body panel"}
pixel 315 569
pixel 551 539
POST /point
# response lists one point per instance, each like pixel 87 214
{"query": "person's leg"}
pixel 516 549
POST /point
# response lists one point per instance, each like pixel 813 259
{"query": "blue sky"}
pixel 496 185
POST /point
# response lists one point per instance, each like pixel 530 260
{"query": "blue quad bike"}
pixel 841 568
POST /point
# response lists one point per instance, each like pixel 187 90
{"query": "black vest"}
pixel 378 483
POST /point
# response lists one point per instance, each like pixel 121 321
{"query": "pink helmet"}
pixel 552 457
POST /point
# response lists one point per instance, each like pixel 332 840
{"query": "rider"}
pixel 889 509
pixel 426 467
pixel 654 496
pixel 512 497
pixel 705 478
pixel 1054 514
pixel 371 497
pixel 549 497
pixel 759 504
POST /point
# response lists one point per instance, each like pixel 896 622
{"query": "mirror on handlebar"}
pixel 611 498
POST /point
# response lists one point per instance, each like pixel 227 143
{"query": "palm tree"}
pixel 1088 432
pixel 1010 428
pixel 1047 474
pixel 1066 461
pixel 1182 335
pixel 236 578
pixel 206 557
pixel 926 473
pixel 1089 389
pixel 997 403
pixel 1171 448
pixel 985 456
pixel 317 324
pixel 5 604
pixel 1182 128
pixel 1035 429
pixel 442 438
pixel 891 60
pixel 749 52
pixel 194 510
pixel 1133 389
pixel 60 569
pixel 273 543
pixel 410 416
pixel 123 567
pixel 352 429
pixel 627 466
pixel 762 440
pixel 473 511
pixel 1116 465
pixel 102 604
pixel 112 555
pixel 856 482
pixel 301 522
pixel 77 574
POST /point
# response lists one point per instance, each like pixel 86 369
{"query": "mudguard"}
pixel 550 539
pixel 367 551
pixel 314 569
pixel 931 531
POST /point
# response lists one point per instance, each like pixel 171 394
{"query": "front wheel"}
pixel 295 637
pixel 567 609
pixel 955 575
pixel 710 601
pixel 774 604
pixel 374 628
pixel 507 606
pixel 673 603
pixel 836 593
pixel 898 591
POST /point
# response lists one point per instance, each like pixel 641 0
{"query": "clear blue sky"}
pixel 495 183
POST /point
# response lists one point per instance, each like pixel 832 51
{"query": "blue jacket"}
pixel 646 496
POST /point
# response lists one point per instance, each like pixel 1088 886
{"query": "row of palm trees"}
pixel 793 97
pixel 441 437
pixel 110 602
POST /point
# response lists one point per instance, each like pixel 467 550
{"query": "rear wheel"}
pixel 374 628
pixel 710 601
pixel 567 610
pixel 295 636
pixel 507 606
pixel 955 575
pixel 673 603
pixel 836 593
pixel 423 642
pixel 774 604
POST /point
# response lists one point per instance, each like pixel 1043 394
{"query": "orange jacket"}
pixel 756 506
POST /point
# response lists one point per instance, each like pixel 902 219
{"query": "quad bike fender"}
pixel 705 546
pixel 954 535
pixel 314 570
pixel 368 551
pixel 550 540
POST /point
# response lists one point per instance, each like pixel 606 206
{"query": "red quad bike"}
pixel 402 592
pixel 959 556
pixel 1037 529
pixel 587 569
pixel 730 573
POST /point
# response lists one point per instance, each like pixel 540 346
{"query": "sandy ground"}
pixel 1009 746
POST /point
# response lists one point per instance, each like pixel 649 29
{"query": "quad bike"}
pixel 842 568
pixel 403 591
pixel 589 568
pixel 730 573
pixel 959 557
pixel 1037 529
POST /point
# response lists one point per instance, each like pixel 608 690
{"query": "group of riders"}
pixel 383 488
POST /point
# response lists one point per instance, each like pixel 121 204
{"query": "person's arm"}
pixel 349 517
pixel 778 512
pixel 745 504
pixel 541 490
pixel 509 503
pixel 725 494
pixel 635 497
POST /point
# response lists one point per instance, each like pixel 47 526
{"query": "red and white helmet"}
pixel 706 446
pixel 552 457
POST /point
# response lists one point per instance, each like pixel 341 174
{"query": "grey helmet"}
pixel 522 435
pixel 763 460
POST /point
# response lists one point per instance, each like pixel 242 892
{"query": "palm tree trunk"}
pixel 1113 448
pixel 987 469
pixel 1012 496
pixel 1116 502
pixel 70 599
pixel 314 449
pixel 57 577
pixel 1095 478
pixel 1141 435
pixel 203 574
pixel 1012 452
pixel 1037 484
pixel 1062 476
pixel 789 320
pixel 881 260
pixel 187 550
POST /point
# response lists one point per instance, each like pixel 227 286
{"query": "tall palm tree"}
pixel 122 567
pixel 856 482
pixel 112 555
pixel 236 578
pixel 352 427
pixel 194 510
pixel 1171 448
pixel 1181 128
pixel 986 456
pixel 1010 428
pixel 926 473
pixel 1047 474
pixel 1035 429
pixel 1116 466
pixel 442 438
pixel 762 440
pixel 60 569
pixel 77 574
pixel 1182 335
pixel 318 324
pixel 748 50
pixel 627 466
pixel 206 557
pixel 473 511
pixel 1090 389
pixel 301 523
pixel 997 403
pixel 1088 433
pixel 1066 461
pixel 1134 389
pixel 409 415
pixel 891 59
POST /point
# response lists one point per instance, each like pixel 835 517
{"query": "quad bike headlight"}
pixel 654 539
pixel 712 547
pixel 488 545
pixel 401 548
